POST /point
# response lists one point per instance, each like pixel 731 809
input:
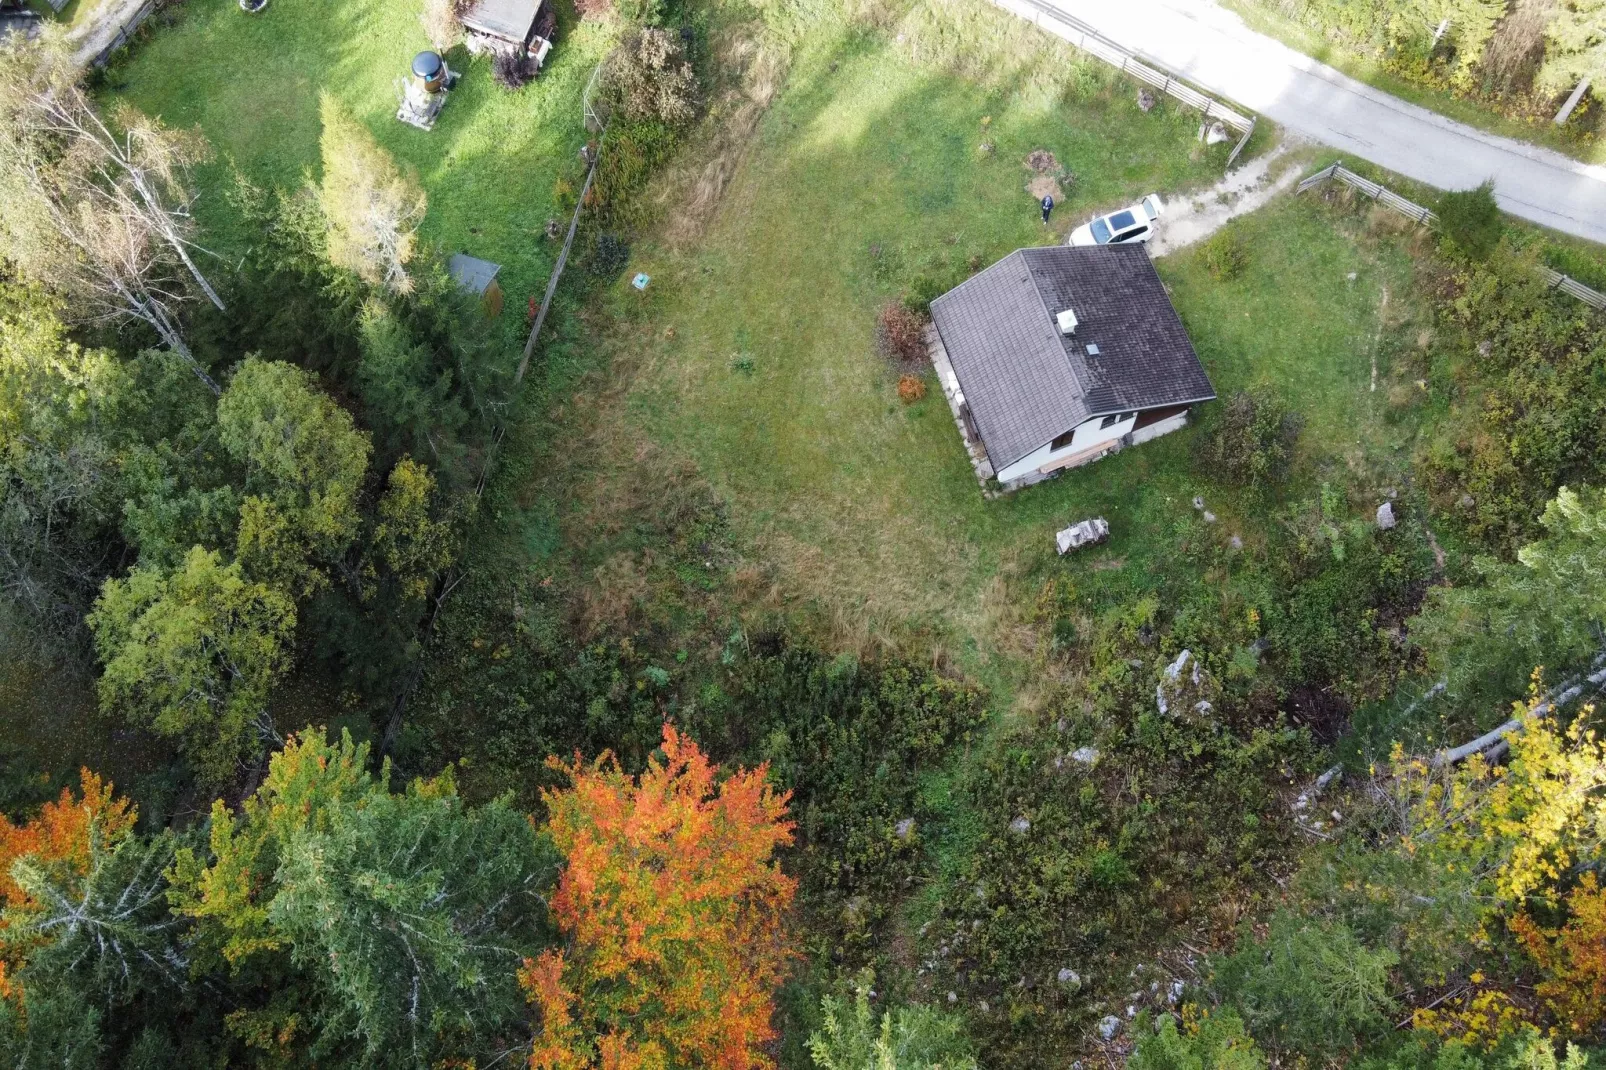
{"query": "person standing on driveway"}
pixel 1048 206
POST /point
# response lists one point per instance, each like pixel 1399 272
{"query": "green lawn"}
pixel 752 353
pixel 252 83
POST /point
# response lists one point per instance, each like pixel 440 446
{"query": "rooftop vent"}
pixel 1067 322
pixel 1092 350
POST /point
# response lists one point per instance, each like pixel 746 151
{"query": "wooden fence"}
pixel 125 32
pixel 1094 43
pixel 1411 210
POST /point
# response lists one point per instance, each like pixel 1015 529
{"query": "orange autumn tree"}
pixel 673 908
pixel 1575 958
pixel 63 834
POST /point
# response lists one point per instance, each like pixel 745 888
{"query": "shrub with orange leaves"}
pixel 61 831
pixel 674 909
pixel 911 388
pixel 1574 956
pixel 61 835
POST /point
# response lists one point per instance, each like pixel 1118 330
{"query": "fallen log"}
pixel 1494 740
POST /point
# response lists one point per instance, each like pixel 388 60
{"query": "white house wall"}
pixel 1088 436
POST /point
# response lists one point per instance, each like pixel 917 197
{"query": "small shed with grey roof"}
pixel 1056 356
pixel 478 277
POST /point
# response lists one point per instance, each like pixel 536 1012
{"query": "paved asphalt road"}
pixel 1213 48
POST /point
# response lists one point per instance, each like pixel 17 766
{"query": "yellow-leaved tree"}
pixel 373 207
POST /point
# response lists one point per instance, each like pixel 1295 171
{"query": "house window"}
pixel 1115 418
pixel 1063 440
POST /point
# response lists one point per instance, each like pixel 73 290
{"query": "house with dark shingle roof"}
pixel 1056 356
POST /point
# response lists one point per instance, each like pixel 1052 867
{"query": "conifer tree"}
pixel 408 912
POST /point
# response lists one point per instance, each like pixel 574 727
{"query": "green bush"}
pixel 1225 256
pixel 631 152
pixel 1470 221
pixel 852 1037
pixel 1212 1041
pixel 1532 359
pixel 1100 823
pixel 1253 441
pixel 1310 988
pixel 1528 1050
pixel 1342 589
pixel 851 740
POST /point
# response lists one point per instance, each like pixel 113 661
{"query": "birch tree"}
pixel 373 208
pixel 99 211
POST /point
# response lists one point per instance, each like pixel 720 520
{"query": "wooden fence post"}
pixel 557 271
pixel 1572 101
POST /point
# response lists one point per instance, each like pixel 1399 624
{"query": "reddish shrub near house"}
pixel 911 388
pixel 901 333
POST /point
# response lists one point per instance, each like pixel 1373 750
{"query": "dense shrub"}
pixel 650 80
pixel 631 152
pixel 1309 988
pixel 1099 823
pixel 1225 255
pixel 851 740
pixel 1253 440
pixel 1533 360
pixel 900 333
pixel 1343 591
pixel 1527 1050
pixel 1470 220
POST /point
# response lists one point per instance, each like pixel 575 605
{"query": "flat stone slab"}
pixel 1083 534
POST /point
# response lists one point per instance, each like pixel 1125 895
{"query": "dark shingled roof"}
pixel 1025 382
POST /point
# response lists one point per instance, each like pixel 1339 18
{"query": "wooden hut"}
pixel 507 26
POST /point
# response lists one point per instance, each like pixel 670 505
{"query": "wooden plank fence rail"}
pixel 1571 286
pixel 125 33
pixel 1411 210
pixel 1091 41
